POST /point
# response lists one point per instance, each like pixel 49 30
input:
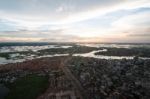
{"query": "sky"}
pixel 122 21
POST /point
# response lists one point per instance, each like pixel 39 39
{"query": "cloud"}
pixel 140 35
pixel 43 12
pixel 54 35
pixel 18 39
pixel 69 20
pixel 32 33
pixel 133 20
pixel 136 24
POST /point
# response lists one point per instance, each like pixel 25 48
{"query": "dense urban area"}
pixel 75 72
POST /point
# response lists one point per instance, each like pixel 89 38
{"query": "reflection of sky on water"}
pixel 16 57
pixel 90 54
pixel 29 48
pixel 15 60
pixel 116 45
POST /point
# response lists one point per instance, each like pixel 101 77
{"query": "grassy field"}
pixel 71 50
pixel 28 87
pixel 142 52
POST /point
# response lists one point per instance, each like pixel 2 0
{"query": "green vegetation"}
pixel 28 87
pixel 5 55
pixel 51 51
pixel 71 50
pixel 3 44
pixel 142 52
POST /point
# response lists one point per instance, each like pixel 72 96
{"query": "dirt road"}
pixel 78 90
pixel 70 76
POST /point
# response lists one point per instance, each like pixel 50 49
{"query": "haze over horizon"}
pixel 75 21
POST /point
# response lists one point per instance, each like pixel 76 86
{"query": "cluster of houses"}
pixel 113 79
pixel 60 86
pixel 101 78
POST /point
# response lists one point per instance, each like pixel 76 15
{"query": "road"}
pixel 70 76
pixel 78 89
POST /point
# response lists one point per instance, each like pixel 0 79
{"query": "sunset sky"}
pixel 75 21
